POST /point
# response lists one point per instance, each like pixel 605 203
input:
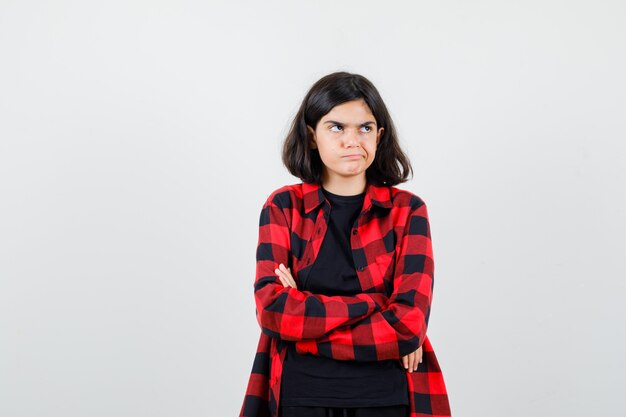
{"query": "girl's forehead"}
pixel 356 108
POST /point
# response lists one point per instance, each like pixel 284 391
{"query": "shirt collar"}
pixel 374 195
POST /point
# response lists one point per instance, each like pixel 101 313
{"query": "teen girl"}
pixel 344 272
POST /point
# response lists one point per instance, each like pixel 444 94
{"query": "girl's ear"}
pixel 311 137
pixel 380 135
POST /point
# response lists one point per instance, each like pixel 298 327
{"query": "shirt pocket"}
pixel 385 265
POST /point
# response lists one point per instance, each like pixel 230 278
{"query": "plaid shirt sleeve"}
pixel 287 313
pixel 400 327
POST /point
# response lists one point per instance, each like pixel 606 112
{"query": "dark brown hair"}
pixel 390 167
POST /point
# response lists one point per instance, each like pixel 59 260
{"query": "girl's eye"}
pixel 368 129
pixel 335 126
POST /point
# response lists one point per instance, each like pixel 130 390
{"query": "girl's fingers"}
pixel 412 360
pixel 279 272
pixel 285 278
pixel 289 279
pixel 286 272
pixel 282 281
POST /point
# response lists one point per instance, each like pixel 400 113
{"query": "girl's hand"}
pixel 284 274
pixel 412 360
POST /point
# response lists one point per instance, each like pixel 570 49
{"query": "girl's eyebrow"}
pixel 341 124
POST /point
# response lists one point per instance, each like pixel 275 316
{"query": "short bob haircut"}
pixel 390 167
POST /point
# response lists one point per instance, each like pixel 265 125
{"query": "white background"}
pixel 139 140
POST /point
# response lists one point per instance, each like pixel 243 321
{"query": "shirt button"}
pixel 354 232
pixel 360 268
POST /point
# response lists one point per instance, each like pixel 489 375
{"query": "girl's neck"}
pixel 345 186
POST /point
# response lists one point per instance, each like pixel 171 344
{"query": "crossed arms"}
pixel 363 327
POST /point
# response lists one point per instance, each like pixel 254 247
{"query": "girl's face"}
pixel 346 138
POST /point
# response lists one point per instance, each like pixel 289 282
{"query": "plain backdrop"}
pixel 139 140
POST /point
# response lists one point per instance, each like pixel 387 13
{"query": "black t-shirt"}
pixel 309 380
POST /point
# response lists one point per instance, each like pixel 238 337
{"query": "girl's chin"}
pixel 349 171
pixel 353 174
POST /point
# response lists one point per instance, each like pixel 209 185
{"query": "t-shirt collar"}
pixel 374 195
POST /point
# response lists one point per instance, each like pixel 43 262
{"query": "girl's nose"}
pixel 351 138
